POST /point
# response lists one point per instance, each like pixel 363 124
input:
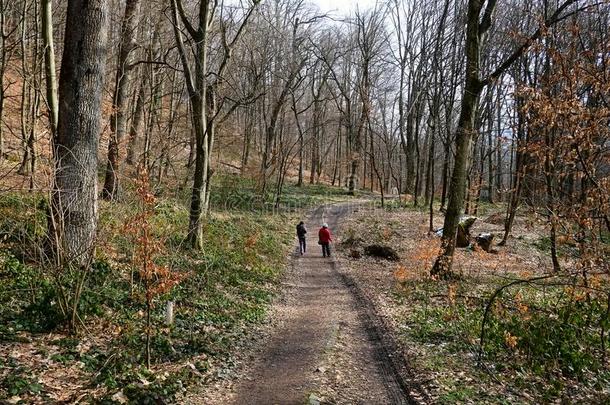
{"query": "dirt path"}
pixel 324 347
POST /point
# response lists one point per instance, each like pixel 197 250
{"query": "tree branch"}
pixel 188 76
pixel 486 19
pixel 555 18
pixel 187 24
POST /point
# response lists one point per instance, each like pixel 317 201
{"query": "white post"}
pixel 169 313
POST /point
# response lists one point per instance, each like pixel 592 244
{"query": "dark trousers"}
pixel 302 245
pixel 325 249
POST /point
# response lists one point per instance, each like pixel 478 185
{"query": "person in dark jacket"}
pixel 324 239
pixel 301 232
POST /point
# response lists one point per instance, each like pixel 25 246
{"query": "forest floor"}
pixel 257 324
pixel 324 343
pixel 358 329
pixel 220 304
pixel 542 339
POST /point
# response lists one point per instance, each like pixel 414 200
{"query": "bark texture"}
pixel 81 82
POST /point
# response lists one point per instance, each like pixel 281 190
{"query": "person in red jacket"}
pixel 325 238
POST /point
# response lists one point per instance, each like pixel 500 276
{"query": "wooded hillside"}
pixel 134 133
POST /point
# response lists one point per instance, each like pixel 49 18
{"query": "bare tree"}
pixel 118 120
pixel 477 26
pixel 49 63
pixel 8 28
pixel 202 96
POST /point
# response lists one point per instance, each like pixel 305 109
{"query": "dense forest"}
pixel 154 154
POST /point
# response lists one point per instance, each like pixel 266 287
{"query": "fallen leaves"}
pixel 452 373
pixel 120 397
pixel 510 340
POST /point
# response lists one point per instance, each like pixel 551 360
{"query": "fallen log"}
pixel 382 251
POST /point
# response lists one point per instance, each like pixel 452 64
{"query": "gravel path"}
pixel 325 347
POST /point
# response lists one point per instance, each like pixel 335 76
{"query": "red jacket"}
pixel 324 235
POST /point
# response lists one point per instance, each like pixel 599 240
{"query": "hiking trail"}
pixel 325 346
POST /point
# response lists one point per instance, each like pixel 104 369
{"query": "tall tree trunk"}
pixel 34 95
pixel 195 229
pixel 499 150
pixel 490 153
pixel 249 126
pixel 337 169
pixel 212 106
pixel 409 145
pixel 31 145
pixel 550 201
pixel 118 120
pixel 464 136
pixel 418 160
pixel 301 140
pixel 155 95
pixel 26 91
pixel 479 188
pixel 429 190
pixel 431 181
pixel 445 173
pixel 81 85
pixel 4 57
pixel 372 167
pixel 136 122
pixel 519 170
pixel 164 159
pixel 49 63
pixel 197 84
pixel 475 30
pixel 301 152
pixel 314 152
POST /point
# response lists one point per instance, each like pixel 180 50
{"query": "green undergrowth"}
pixel 546 340
pixel 22 220
pixel 226 290
pixel 235 193
pixel 545 337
